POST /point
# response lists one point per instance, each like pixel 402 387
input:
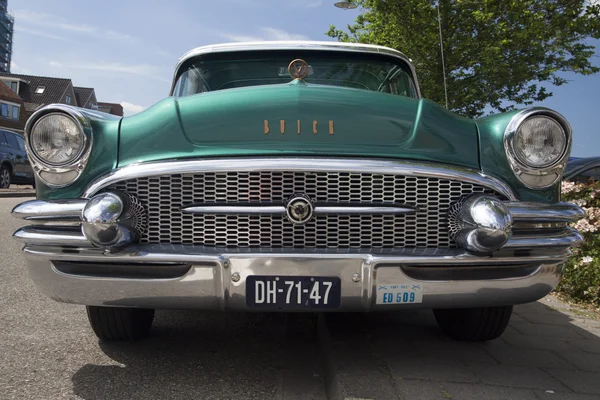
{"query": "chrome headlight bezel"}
pixel 66 173
pixel 536 177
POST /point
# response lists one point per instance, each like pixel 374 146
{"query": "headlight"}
pixel 540 141
pixel 56 139
pixel 59 143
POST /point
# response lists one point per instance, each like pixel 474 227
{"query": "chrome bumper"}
pixel 218 281
pixel 65 266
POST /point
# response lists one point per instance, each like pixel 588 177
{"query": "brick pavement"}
pixel 545 354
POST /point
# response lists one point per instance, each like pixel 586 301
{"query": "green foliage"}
pixel 581 280
pixel 499 53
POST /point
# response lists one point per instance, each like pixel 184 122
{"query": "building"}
pixel 12 110
pixel 38 91
pixel 7 23
pixel 28 93
pixel 86 98
pixel 111 108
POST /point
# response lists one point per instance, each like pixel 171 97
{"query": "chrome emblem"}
pixel 299 209
pixel 298 69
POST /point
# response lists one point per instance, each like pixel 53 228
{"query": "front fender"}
pixel 494 161
pixel 103 156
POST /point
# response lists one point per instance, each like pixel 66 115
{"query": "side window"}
pixel 21 143
pixel 12 140
pixel 3 141
pixel 402 85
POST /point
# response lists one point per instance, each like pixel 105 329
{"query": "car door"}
pixel 19 156
pixel 27 169
pixel 6 152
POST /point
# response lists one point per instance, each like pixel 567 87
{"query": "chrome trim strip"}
pixel 537 212
pixel 567 238
pixel 40 210
pixel 375 166
pixel 47 236
pixel 296 45
pixel 281 210
pixel 519 168
pixel 374 209
pixel 250 210
pixel 59 236
pixel 156 253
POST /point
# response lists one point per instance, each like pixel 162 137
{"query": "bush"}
pixel 581 279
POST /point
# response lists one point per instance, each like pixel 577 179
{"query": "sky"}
pixel 127 49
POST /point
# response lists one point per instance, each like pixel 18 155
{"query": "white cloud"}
pixel 130 108
pixel 55 64
pixel 48 35
pixel 267 33
pixel 121 37
pixel 313 4
pixel 56 22
pixel 145 70
pixel 16 69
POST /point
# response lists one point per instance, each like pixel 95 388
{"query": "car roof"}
pixel 291 45
pixel 576 166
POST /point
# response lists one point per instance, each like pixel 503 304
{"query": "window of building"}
pixel 68 99
pixel 14 86
pixel 4 110
pixel 15 112
pixel 40 89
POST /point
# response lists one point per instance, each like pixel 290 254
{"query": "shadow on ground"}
pixel 543 354
pixel 199 355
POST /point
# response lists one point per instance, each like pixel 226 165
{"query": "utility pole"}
pixel 442 50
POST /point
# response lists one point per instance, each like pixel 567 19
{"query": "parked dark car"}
pixel 14 163
pixel 582 169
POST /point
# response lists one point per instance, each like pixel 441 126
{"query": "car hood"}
pixel 298 119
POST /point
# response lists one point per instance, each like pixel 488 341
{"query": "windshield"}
pixel 235 70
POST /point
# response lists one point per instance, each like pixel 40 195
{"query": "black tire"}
pixel 112 323
pixel 5 177
pixel 473 324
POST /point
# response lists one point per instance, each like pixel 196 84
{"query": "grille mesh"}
pixel 163 196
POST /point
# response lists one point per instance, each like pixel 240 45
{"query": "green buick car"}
pixel 297 177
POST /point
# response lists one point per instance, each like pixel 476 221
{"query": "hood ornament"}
pixel 298 69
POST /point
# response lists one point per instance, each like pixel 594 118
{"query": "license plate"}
pixel 293 292
pixel 399 293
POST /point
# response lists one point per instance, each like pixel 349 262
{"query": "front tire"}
pixel 473 324
pixel 112 323
pixel 4 177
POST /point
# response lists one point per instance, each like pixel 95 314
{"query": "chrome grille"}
pixel 163 196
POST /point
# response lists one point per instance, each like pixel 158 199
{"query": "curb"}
pixel 24 193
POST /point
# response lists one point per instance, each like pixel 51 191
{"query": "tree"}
pixel 498 53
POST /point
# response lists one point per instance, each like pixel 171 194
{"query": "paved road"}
pixel 47 351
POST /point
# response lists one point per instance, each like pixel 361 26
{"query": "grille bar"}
pixel 165 195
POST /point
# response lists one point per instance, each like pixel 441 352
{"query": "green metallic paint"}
pixel 103 157
pixel 231 123
pixel 495 163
